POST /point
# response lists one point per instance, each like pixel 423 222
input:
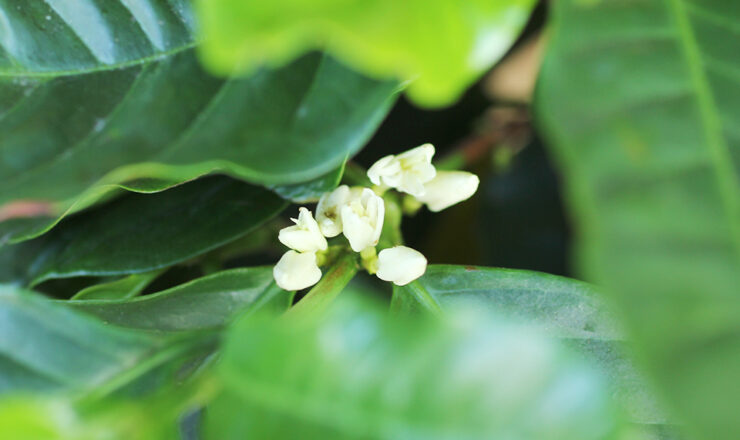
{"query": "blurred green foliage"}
pixel 357 372
pixel 111 131
pixel 439 46
pixel 640 104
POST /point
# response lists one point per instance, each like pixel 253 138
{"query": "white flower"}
pixel 401 265
pixel 449 188
pixel 329 210
pixel 407 172
pixel 362 219
pixel 305 236
pixel 296 271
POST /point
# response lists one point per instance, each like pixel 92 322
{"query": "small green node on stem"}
pixel 330 255
pixel 410 205
pixel 369 260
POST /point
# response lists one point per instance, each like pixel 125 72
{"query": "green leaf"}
pixel 56 38
pixel 144 232
pixel 38 418
pixel 53 417
pixel 123 288
pixel 28 418
pixel 356 372
pixel 442 46
pixel 45 346
pixel 284 126
pixel 312 191
pixel 640 103
pixel 76 78
pixel 208 302
pixel 554 305
pixel 558 307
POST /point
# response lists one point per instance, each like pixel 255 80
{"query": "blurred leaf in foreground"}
pixel 441 45
pixel 557 307
pixel 357 372
pixel 641 105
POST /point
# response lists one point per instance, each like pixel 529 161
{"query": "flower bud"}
pixel 305 236
pixel 407 172
pixel 400 265
pixel 362 219
pixel 329 210
pixel 449 188
pixel 296 271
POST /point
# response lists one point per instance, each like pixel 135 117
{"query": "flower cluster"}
pixel 358 213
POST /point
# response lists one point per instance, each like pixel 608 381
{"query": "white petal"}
pixel 425 172
pixel 420 154
pixel 362 219
pixel 296 271
pixel 400 265
pixel 407 172
pixel 357 229
pixel 449 188
pixel 329 211
pixel 383 167
pixel 410 184
pixel 305 236
pixel 379 218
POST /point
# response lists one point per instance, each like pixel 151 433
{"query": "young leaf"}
pixel 640 103
pixel 144 232
pixel 207 302
pixel 355 372
pixel 442 46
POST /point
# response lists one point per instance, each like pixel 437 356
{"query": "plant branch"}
pixel 331 284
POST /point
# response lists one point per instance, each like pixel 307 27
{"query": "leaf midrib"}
pixel 727 178
pixel 101 68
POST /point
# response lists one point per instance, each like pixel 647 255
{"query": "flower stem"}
pixel 331 284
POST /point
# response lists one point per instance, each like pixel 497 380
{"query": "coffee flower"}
pixel 448 188
pixel 296 271
pixel 362 219
pixel 400 265
pixel 329 210
pixel 407 172
pixel 305 235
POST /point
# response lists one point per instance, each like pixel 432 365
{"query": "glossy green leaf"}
pixel 356 372
pixel 144 232
pixel 284 126
pixel 640 103
pixel 55 38
pixel 443 46
pixel 208 302
pixel 45 346
pixel 123 288
pixel 93 97
pixel 310 191
pixel 558 307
